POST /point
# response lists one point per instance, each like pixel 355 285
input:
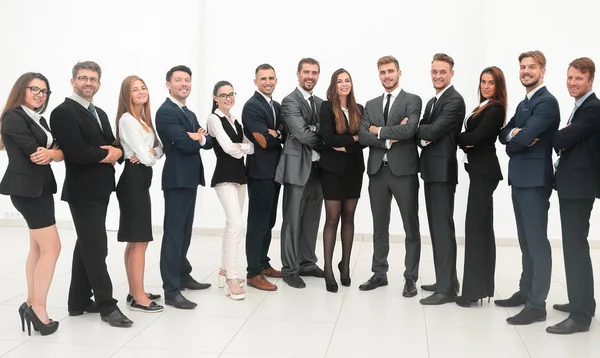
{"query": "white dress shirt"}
pixel 215 129
pixel 36 118
pixel 394 95
pixel 306 95
pixel 135 139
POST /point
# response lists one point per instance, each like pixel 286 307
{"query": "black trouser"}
pixel 89 272
pixel 263 196
pixel 575 224
pixel 180 205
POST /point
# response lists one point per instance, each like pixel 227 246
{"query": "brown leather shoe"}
pixel 260 139
pixel 271 272
pixel 261 283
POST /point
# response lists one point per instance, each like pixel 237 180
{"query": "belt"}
pixel 384 163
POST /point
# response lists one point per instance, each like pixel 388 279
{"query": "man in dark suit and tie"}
pixel 298 172
pixel 182 139
pixel 576 181
pixel 528 138
pixel 438 134
pixel 388 127
pixel 83 133
pixel 261 117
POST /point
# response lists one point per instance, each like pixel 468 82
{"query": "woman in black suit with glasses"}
pixel 30 183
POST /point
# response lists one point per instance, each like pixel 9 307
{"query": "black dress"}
pixel 341 172
pixel 133 193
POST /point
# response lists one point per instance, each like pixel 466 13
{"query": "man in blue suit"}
pixel 182 139
pixel 528 138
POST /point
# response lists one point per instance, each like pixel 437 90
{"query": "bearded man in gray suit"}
pixel 298 172
pixel 388 127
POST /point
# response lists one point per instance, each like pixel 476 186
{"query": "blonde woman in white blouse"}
pixel 141 149
pixel 229 181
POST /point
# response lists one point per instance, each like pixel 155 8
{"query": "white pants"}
pixel 232 197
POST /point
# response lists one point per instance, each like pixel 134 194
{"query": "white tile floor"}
pixel 287 323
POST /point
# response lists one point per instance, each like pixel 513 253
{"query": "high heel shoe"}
pixel 22 309
pixel 330 283
pixel 32 318
pixel 463 301
pixel 344 279
pixel 223 279
pixel 233 292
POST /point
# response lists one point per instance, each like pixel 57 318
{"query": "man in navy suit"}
pixel 262 125
pixel 576 181
pixel 182 139
pixel 528 138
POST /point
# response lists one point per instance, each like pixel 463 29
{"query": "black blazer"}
pixel 21 138
pixel 578 169
pixel 482 132
pixel 257 117
pixel 441 127
pixel 331 159
pixel 183 166
pixel 79 136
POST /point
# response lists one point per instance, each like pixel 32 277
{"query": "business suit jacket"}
pixel 295 163
pixel 539 117
pixel 79 136
pixel 481 133
pixel 441 127
pixel 403 157
pixel 183 165
pixel 257 117
pixel 331 159
pixel 578 172
pixel 22 136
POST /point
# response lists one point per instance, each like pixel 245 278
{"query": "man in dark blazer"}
pixel 576 181
pixel 83 132
pixel 298 172
pixel 388 127
pixel 182 139
pixel 438 134
pixel 261 117
pixel 528 138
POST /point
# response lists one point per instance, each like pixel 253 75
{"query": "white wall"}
pixel 228 39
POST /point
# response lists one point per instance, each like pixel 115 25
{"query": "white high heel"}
pixel 234 296
pixel 223 278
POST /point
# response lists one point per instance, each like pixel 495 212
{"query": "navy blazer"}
pixel 530 166
pixel 183 165
pixel 578 169
pixel 257 117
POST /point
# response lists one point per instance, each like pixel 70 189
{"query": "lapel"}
pixel 263 101
pixel 590 97
pixel 88 117
pixel 396 105
pixel 441 101
pixel 183 117
pixel 378 117
pixel 38 134
pixel 304 106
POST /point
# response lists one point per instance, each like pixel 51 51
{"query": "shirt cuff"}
pixel 245 147
pixel 509 136
pixel 388 143
pixel 203 141
pixel 424 143
pixel 379 134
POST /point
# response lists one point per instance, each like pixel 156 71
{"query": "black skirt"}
pixel 38 212
pixel 133 193
pixel 336 187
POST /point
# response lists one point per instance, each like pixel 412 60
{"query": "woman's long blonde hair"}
pixel 126 105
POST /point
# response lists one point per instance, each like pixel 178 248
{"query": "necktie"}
pixel 571 116
pixel 313 109
pixel 92 109
pixel 387 108
pixel 433 104
pixel 44 123
pixel 186 111
pixel 274 117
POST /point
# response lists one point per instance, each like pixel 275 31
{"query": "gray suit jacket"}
pixel 403 157
pixel 296 159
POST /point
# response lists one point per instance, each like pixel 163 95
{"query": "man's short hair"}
pixel 388 59
pixel 178 68
pixel 264 66
pixel 537 56
pixel 444 58
pixel 87 65
pixel 585 65
pixel 310 61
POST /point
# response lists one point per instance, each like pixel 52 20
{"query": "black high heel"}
pixel 330 283
pixel 345 280
pixel 32 318
pixel 22 309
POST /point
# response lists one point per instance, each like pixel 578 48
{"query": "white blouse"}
pixel 215 129
pixel 136 140
pixel 36 118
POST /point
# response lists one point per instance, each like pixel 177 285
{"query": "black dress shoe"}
pixel 151 296
pixel 410 289
pixel 373 283
pixel 330 283
pixel 565 307
pixel 192 284
pixel 430 288
pixel 117 319
pixel 294 281
pixel 180 302
pixel 344 278
pixel 437 299
pixel 316 272
pixel 516 300
pixel 527 316
pixel 152 308
pixel 89 309
pixel 568 326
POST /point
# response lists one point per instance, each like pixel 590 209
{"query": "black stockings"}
pixel 333 210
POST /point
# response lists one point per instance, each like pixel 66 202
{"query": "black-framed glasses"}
pixel 227 95
pixel 36 90
pixel 86 78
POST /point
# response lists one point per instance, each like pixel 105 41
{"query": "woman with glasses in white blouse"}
pixel 30 183
pixel 141 149
pixel 229 181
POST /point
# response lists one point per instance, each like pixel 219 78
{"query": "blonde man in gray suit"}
pixel 298 172
pixel 388 127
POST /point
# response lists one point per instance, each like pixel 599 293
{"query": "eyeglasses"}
pixel 86 78
pixel 227 95
pixel 36 90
